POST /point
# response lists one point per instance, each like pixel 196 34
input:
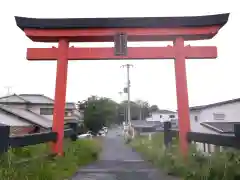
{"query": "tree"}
pixel 154 108
pixel 81 105
pixel 143 108
pixel 139 109
pixel 134 110
pixel 98 112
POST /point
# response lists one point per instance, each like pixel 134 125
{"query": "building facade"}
pixel 164 115
pixel 32 112
pixel 216 118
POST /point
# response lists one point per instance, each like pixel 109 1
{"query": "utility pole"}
pixel 140 112
pixel 128 91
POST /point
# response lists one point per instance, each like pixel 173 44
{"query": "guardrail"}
pixel 8 141
pixel 223 140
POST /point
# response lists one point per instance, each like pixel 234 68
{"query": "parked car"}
pixel 101 133
pixel 87 135
pixel 105 129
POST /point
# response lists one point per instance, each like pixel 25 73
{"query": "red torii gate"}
pixel 120 31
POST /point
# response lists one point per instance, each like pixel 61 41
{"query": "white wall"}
pixel 231 111
pixel 156 116
pixel 36 109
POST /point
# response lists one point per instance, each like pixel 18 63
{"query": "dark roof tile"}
pixel 196 108
pixel 220 127
pixel 128 22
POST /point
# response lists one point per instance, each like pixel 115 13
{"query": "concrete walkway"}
pixel 119 162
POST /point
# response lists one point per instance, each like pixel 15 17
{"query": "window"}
pixel 160 116
pixel 196 118
pixel 218 116
pixel 46 111
pixel 66 126
pixel 171 116
pixel 68 113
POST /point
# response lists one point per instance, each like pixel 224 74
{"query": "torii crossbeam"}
pixel 120 31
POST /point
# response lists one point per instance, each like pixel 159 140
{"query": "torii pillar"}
pixel 121 31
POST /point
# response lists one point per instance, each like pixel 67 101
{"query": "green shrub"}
pixel 197 166
pixel 78 153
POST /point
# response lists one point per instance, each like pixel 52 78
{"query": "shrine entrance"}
pixel 120 31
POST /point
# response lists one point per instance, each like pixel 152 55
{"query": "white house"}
pixel 216 118
pixel 30 112
pixel 164 115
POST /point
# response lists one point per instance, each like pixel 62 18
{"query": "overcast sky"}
pixel 152 80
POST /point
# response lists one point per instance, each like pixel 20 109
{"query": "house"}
pixel 145 126
pixel 215 118
pixel 164 115
pixel 26 113
pixel 22 121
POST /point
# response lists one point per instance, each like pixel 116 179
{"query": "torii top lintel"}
pixel 137 29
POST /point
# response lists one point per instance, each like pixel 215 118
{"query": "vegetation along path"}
pixel 119 162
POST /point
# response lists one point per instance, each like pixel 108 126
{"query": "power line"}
pixel 128 91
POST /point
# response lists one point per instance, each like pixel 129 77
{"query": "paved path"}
pixel 119 162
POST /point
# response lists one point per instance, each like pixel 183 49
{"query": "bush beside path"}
pixel 78 153
pixel 217 166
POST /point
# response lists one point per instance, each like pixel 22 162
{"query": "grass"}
pixel 78 153
pixel 219 166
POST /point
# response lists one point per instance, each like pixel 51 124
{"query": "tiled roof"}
pixel 12 120
pixel 42 99
pixel 164 111
pixel 198 108
pixel 37 98
pixel 13 99
pixel 220 127
pixel 29 116
pixel 31 98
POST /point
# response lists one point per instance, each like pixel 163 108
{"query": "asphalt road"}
pixel 119 162
pixel 116 150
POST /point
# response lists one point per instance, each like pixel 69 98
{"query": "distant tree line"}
pixel 103 111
